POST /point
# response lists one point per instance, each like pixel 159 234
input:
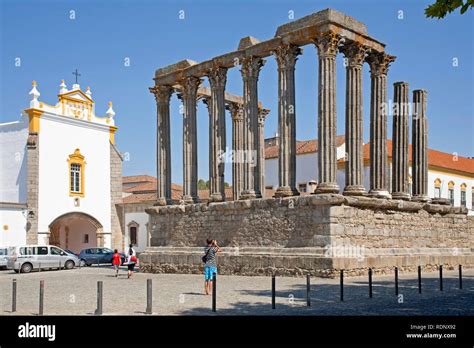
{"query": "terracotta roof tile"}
pixel 148 187
pixel 138 178
pixel 302 147
pixel 435 158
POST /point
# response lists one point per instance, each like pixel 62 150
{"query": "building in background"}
pixel 449 176
pixel 61 174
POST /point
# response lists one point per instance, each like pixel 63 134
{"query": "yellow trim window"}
pixel 76 173
pixel 437 188
pixel 463 194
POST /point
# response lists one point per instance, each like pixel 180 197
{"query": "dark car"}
pixel 71 252
pixel 94 256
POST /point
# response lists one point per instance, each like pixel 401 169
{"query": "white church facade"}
pixel 61 174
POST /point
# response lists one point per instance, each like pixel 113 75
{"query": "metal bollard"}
pixel 308 290
pixel 419 279
pixel 460 276
pixel 214 290
pixel 39 267
pixel 370 282
pixel 441 278
pixel 14 295
pixel 273 292
pixel 149 297
pixel 396 281
pixel 98 311
pixel 41 298
pixel 341 278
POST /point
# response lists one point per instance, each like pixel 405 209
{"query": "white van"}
pixel 24 259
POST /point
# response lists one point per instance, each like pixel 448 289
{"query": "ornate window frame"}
pixel 79 159
pixel 451 185
pixel 437 188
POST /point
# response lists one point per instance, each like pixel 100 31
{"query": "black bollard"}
pixel 308 290
pixel 342 284
pixel 98 311
pixel 14 295
pixel 419 279
pixel 370 282
pixel 214 290
pixel 41 298
pixel 396 281
pixel 441 278
pixel 149 297
pixel 273 291
pixel 460 276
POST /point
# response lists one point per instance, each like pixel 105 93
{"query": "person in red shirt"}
pixel 116 259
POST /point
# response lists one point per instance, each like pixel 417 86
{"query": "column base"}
pixel 401 195
pixel 327 187
pixel 354 190
pixel 191 200
pixel 421 198
pixel 163 201
pixel 441 201
pixel 216 197
pixel 286 191
pixel 248 194
pixel 384 194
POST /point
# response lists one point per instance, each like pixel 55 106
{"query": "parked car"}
pixel 94 256
pixel 26 258
pixel 71 252
pixel 3 257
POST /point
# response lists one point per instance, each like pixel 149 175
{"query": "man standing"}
pixel 210 263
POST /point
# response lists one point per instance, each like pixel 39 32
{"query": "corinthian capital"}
pixel 251 67
pixel 327 44
pixel 162 93
pixel 379 62
pixel 190 86
pixel 355 53
pixel 286 56
pixel 217 77
pixel 262 115
pixel 236 111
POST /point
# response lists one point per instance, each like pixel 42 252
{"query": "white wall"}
pixel 445 179
pixel 59 136
pixel 13 161
pixel 141 218
pixel 15 221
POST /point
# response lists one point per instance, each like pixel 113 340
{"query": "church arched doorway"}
pixel 75 231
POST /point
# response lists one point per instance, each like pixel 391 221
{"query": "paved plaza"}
pixel 74 292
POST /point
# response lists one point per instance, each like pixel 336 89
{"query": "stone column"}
pixel 163 150
pixel 260 184
pixel 419 147
pixel 286 57
pixel 379 63
pixel 237 114
pixel 217 141
pixel 188 95
pixel 327 46
pixel 400 141
pixel 250 71
pixel 355 55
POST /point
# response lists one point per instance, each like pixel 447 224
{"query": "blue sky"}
pixel 151 35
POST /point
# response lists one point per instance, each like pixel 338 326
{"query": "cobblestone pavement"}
pixel 74 292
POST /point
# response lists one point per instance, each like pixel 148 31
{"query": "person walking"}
pixel 116 260
pixel 210 263
pixel 131 261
